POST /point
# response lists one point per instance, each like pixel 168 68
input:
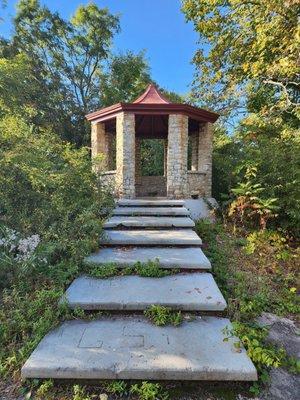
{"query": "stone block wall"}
pixel 108 180
pixel 148 186
pixel 197 184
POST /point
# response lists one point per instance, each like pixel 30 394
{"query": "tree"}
pixel 126 77
pixel 56 71
pixel 250 65
pixel 247 40
pixel 65 57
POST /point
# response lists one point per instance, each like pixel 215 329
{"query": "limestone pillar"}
pixel 100 146
pixel 137 157
pixel 177 156
pixel 110 151
pixel 205 147
pixel 125 155
pixel 194 151
pixel 165 156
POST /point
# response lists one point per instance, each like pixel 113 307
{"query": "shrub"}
pixel 51 211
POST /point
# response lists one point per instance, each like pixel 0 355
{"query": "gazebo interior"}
pixel 147 129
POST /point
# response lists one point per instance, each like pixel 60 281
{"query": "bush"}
pixel 51 212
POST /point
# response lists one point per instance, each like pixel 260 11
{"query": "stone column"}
pixel 100 147
pixel 125 157
pixel 177 156
pixel 194 153
pixel 137 157
pixel 205 154
pixel 110 151
pixel 165 156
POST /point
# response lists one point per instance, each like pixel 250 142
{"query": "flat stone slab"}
pixel 155 203
pixel 156 211
pixel 168 257
pixel 188 292
pixel 182 237
pixel 133 348
pixel 152 222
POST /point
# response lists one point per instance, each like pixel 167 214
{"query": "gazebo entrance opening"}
pixel 151 133
pixel 120 134
pixel 151 178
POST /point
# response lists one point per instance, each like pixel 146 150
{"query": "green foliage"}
pixel 152 157
pixel 252 338
pixel 161 315
pixel 51 211
pixel 117 387
pixel 256 272
pixel 149 391
pixel 47 186
pixel 260 275
pixel 126 78
pixel 103 271
pixel 249 69
pixel 66 58
pixel 44 389
pixel 79 393
pixel 52 69
pixel 152 269
pixel 249 204
pixel 248 41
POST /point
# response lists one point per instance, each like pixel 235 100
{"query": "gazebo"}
pixel 116 135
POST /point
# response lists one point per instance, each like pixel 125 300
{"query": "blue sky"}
pixel 158 26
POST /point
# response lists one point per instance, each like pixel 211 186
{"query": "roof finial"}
pixel 152 96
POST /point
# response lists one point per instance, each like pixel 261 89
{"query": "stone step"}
pixel 156 211
pixel 168 257
pixel 134 348
pixel 188 292
pixel 182 237
pixel 146 222
pixel 151 203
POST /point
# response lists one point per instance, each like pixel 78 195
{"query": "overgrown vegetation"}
pixel 151 269
pixel 139 391
pixel 52 208
pixel 256 271
pixel 52 72
pixel 161 315
pixel 248 71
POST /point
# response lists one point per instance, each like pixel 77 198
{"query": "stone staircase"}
pixel 126 345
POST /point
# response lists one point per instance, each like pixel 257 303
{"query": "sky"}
pixel 157 26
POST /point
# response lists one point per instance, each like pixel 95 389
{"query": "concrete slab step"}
pixel 133 348
pixel 188 292
pixel 151 203
pixel 156 211
pixel 168 257
pixel 182 237
pixel 146 222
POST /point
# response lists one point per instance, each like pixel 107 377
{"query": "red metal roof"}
pixel 152 96
pixel 152 102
